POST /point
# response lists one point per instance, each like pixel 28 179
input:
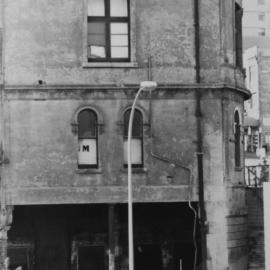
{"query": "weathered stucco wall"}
pixel 43 149
pixel 52 34
pixel 44 40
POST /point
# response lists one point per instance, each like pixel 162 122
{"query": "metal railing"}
pixel 256 175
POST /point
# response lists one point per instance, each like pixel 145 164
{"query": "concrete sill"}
pixel 88 171
pixel 135 170
pixel 110 65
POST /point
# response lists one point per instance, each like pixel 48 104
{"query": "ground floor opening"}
pixel 95 237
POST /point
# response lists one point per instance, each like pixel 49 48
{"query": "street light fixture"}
pixel 144 86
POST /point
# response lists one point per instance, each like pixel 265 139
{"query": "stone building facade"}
pixel 257 114
pixel 70 71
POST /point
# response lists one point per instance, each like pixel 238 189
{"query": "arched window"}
pixel 136 139
pixel 87 138
pixel 237 139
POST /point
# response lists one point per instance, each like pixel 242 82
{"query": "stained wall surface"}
pixel 47 80
pixel 52 43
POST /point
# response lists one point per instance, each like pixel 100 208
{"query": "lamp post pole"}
pixel 149 86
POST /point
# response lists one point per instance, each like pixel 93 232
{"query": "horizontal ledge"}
pixel 88 171
pixel 110 65
pixel 99 194
pixel 161 86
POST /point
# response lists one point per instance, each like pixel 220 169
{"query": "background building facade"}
pixel 256 19
pixel 70 71
pixel 256 42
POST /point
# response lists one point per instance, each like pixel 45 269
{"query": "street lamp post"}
pixel 144 86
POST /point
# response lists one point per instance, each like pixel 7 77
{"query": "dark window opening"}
pixel 238 36
pixel 261 16
pixel 237 139
pixel 252 138
pixel 108 31
pixel 136 138
pixel 261 31
pixel 87 137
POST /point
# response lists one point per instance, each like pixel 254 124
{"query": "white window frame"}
pixel 132 34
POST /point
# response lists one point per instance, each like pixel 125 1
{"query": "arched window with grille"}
pixel 87 139
pixel 237 139
pixel 136 139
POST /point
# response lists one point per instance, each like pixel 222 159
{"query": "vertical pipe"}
pixel 2 107
pixel 199 138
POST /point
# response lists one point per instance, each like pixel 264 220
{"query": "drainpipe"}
pixel 198 114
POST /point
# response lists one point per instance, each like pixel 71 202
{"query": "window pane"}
pixel 136 151
pixel 96 40
pixel 237 143
pixel 119 40
pixel 87 121
pixel 261 16
pixel 119 28
pixel 236 117
pixel 261 32
pixel 96 8
pixel 96 28
pixel 119 52
pixel 137 124
pixel 119 8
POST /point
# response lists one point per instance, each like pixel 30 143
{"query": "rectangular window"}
pixel 252 142
pixel 261 31
pixel 108 37
pixel 261 16
pixel 267 138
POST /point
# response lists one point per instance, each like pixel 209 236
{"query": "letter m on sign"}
pixel 85 148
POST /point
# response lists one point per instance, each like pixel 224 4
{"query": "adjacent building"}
pixel 257 121
pixel 256 18
pixel 256 44
pixel 69 73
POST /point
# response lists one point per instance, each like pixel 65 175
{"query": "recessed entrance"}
pixel 82 237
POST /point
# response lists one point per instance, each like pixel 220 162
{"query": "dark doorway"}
pixel 83 237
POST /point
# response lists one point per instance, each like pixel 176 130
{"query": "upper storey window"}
pixel 238 36
pixel 108 31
